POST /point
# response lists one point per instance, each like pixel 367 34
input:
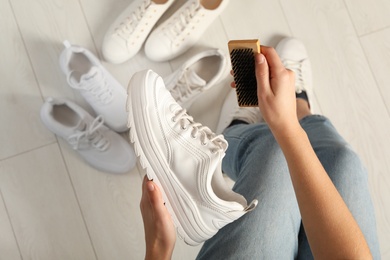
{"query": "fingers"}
pixel 268 65
pixel 232 84
pixel 274 62
pixel 262 74
pixel 144 198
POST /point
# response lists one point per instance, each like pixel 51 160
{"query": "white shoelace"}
pixel 96 85
pixel 132 20
pixel 184 89
pixel 183 19
pixel 300 70
pixel 199 131
pixel 90 136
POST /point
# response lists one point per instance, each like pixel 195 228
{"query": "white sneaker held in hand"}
pixel 99 146
pixel 183 29
pixel 184 158
pixel 197 75
pixel 128 32
pixel 99 88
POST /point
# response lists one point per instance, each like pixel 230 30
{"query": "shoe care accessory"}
pixel 243 65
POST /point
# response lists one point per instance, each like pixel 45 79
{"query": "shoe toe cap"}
pixel 115 50
pixel 291 49
pixel 158 47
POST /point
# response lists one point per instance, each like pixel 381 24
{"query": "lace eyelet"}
pixel 173 120
pixel 183 127
pixel 193 136
pixel 204 144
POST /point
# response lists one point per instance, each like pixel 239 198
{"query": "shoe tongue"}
pixel 194 80
pixel 92 74
pixel 81 126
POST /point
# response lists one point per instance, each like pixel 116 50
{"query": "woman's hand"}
pixel 275 91
pixel 160 234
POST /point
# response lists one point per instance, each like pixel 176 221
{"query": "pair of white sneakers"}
pixel 173 37
pixel 184 157
pixel 100 146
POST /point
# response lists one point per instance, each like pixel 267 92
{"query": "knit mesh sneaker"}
pixel 294 56
pixel 99 146
pixel 198 74
pixel 183 158
pixel 99 88
pixel 231 111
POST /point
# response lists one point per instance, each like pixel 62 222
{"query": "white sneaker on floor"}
pixel 128 32
pixel 231 111
pixel 183 29
pixel 183 158
pixel 294 56
pixel 197 75
pixel 99 146
pixel 100 89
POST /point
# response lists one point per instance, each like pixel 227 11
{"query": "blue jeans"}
pixel 274 229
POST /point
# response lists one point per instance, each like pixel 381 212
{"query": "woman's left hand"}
pixel 160 233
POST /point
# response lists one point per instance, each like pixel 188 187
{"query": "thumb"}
pixel 155 198
pixel 262 74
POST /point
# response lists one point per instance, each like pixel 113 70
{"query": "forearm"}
pixel 330 227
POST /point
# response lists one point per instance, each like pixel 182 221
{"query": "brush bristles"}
pixel 243 64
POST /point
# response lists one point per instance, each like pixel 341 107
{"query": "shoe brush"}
pixel 242 56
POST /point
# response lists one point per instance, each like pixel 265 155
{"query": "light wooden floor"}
pixel 54 206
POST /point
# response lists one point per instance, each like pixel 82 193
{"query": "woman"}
pixel 312 188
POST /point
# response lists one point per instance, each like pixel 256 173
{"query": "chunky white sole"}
pixel 190 227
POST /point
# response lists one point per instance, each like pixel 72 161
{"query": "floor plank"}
pixel 8 245
pixel 42 206
pixel 369 16
pixel 263 20
pixel 110 205
pixel 377 49
pixel 20 98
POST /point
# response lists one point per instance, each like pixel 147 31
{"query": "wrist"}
pixel 285 132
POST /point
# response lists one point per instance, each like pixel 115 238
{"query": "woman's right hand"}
pixel 275 91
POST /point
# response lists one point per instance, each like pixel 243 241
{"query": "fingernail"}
pixel 150 186
pixel 260 58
